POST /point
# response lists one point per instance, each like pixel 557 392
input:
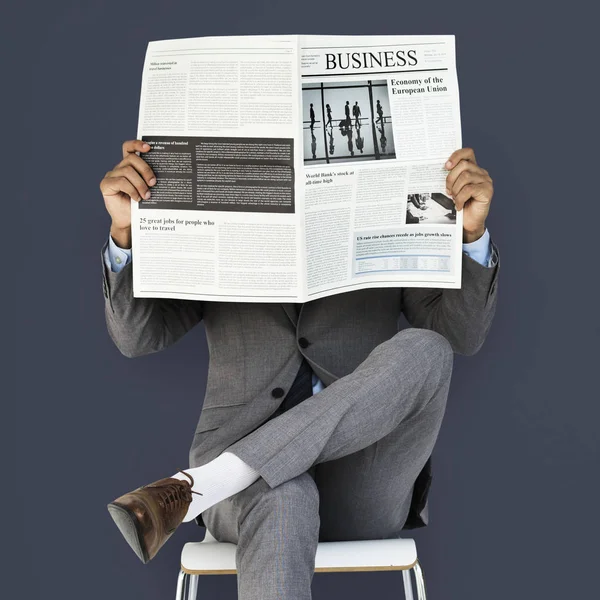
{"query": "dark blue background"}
pixel 523 413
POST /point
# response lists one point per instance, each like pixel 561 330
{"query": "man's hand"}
pixel 471 188
pixel 130 179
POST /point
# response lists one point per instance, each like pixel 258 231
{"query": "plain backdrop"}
pixel 514 501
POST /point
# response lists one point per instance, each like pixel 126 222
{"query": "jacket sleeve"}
pixel 463 316
pixel 141 326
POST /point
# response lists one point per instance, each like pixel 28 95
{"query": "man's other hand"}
pixel 471 189
pixel 132 178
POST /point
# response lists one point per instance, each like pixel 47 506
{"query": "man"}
pixel 312 117
pixel 319 419
pixel 356 115
pixel 347 113
pixel 379 110
pixel 328 108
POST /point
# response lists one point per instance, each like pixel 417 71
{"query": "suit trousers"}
pixel 339 465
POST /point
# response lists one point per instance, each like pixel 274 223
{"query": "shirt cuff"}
pixel 480 250
pixel 116 258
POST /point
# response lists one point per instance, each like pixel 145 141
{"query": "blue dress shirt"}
pixel 480 250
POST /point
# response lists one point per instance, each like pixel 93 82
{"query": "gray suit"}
pixel 379 413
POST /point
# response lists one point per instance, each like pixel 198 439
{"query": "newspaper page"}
pixel 291 168
pixel 222 223
pixel 380 118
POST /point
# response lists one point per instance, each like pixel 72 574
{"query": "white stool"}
pixel 210 557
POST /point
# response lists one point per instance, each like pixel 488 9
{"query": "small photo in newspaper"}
pixel 346 121
pixel 430 208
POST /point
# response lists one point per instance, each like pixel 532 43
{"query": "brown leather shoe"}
pixel 148 516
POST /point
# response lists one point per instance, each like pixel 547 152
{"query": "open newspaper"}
pixel 291 168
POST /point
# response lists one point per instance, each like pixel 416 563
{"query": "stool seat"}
pixel 210 557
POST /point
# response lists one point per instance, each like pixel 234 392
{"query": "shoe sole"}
pixel 130 528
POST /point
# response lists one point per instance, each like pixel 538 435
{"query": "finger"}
pixel 463 196
pixel 135 179
pixel 458 155
pixel 466 178
pixel 134 146
pixel 461 167
pixel 472 190
pixel 141 166
pixel 111 186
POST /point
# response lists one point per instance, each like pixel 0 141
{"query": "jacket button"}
pixel 277 393
pixel 304 343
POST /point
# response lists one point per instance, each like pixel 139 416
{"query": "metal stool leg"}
pixel 193 587
pixel 181 586
pixel 408 589
pixel 421 594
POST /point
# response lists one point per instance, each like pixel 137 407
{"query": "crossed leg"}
pixel 340 465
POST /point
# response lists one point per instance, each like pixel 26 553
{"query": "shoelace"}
pixel 173 494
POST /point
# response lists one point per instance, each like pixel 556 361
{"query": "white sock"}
pixel 218 479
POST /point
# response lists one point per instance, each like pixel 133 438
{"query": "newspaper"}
pixel 290 168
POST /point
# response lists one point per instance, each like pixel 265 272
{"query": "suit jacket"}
pixel 256 349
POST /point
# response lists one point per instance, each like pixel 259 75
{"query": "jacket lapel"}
pixel 291 312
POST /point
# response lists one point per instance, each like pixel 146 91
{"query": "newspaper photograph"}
pixel 291 168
